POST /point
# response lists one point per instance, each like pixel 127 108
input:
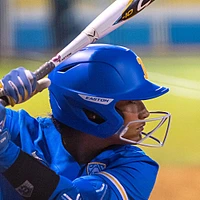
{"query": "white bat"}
pixel 110 19
pixel 118 13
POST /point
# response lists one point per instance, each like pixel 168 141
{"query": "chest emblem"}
pixel 95 167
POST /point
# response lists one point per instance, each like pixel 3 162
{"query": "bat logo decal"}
pixel 91 33
pixel 140 6
pixel 57 59
pixel 133 8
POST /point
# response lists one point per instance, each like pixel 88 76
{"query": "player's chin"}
pixel 139 136
pixel 136 136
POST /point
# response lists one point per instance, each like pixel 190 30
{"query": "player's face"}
pixel 132 111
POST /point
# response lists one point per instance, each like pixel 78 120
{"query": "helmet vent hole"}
pixel 66 68
pixel 94 117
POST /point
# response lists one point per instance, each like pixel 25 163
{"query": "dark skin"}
pixel 84 147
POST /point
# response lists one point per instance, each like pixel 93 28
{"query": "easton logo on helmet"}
pixel 98 100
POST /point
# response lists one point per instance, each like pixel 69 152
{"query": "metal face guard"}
pixel 151 132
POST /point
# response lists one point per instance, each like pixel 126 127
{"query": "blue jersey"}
pixel 120 172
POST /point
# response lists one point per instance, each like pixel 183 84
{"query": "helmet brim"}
pixel 147 90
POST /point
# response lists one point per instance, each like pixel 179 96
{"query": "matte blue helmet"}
pixel 95 79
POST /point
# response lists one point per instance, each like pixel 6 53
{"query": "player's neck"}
pixel 84 147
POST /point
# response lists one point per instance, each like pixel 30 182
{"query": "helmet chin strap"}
pixel 164 117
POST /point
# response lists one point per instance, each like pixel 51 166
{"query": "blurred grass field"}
pixel 181 75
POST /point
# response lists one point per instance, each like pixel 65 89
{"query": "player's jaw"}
pixel 134 131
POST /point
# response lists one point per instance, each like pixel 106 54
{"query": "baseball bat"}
pixel 119 12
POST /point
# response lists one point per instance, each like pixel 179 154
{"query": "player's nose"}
pixel 144 113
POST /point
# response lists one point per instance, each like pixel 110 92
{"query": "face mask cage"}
pixel 152 131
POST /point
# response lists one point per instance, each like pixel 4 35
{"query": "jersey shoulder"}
pixel 127 170
pixel 123 154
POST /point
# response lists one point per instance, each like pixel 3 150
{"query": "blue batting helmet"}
pixel 95 79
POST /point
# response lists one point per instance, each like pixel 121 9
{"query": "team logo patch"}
pixel 95 167
pixel 25 189
pixel 139 60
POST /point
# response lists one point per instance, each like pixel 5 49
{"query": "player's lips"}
pixel 141 127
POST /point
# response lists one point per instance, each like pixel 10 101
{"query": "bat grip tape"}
pixel 44 70
pixel 30 178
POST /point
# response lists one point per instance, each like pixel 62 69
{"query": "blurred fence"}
pixel 48 25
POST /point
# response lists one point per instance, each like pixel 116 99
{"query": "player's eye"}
pixel 133 102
